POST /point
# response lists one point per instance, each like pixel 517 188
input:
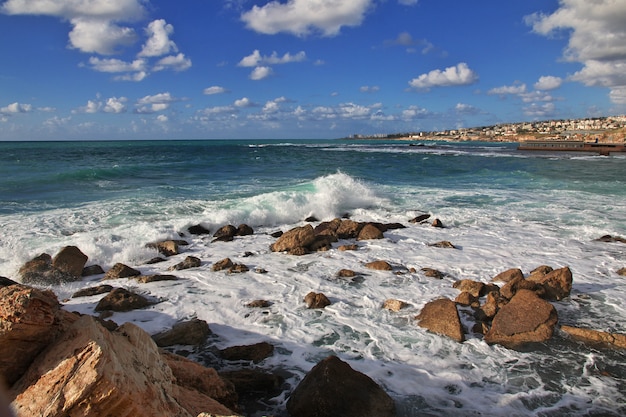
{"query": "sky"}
pixel 302 69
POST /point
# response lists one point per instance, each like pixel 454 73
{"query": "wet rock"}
pixel 344 248
pixel 198 229
pixel 328 228
pixel 222 265
pixel 119 270
pixel 259 304
pixel 379 265
pixel 145 279
pixel 238 269
pixel 316 300
pixel 346 273
pixel 369 232
pixel 298 237
pixel 467 299
pixel 508 275
pixel 556 284
pixel 121 300
pixel 432 273
pixel 227 231
pixel 192 332
pixel 155 260
pixel 609 238
pixel 88 292
pixel 187 263
pixel 255 387
pixel 394 305
pixel 539 272
pixel 622 272
pixel 492 305
pixel 526 318
pixel 349 229
pixel 165 247
pixel 298 251
pixel 332 388
pixel 311 219
pixel 40 270
pixel 420 218
pixel 475 288
pixel 442 317
pixel 92 270
pixel 5 282
pixel 322 243
pixel 596 336
pixel 244 230
pixel 70 260
pixel 437 223
pixel 255 353
pixel 509 289
pixel 443 244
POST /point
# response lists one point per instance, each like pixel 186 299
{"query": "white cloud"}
pixel 618 95
pixel 540 111
pixel 162 118
pixel 508 89
pixel 174 62
pixel 155 103
pixel 256 59
pixel 536 96
pixel 462 108
pixel 302 17
pixel 114 65
pixel 158 43
pixel 14 108
pixel 214 90
pixel 548 82
pixel 369 89
pixel 415 112
pixel 460 74
pixel 260 73
pixel 68 9
pixel 91 107
pixel 99 36
pixel 596 39
pixel 115 105
pixel 243 102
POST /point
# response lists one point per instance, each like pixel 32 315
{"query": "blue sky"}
pixel 289 69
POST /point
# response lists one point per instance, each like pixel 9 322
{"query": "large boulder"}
pixel 556 284
pixel 442 317
pixel 526 318
pixel 29 320
pixel 70 260
pixel 316 300
pixel 120 270
pixel 92 372
pixel 255 353
pixel 369 231
pixel 349 229
pixel 332 388
pixel 508 275
pixel 40 270
pixel 298 237
pixel 120 300
pixel 596 336
pixel 190 332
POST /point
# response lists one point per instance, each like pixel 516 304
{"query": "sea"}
pixel 501 208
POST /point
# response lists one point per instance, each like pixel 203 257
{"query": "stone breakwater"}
pixel 57 363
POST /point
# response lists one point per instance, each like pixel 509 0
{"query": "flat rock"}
pixel 379 265
pixel 442 317
pixel 119 270
pixel 87 292
pixel 255 353
pixel 122 300
pixel 191 332
pixel 443 244
pixel 508 275
pixel 145 279
pixel 596 336
pixel 187 263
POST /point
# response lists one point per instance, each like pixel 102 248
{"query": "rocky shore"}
pixel 55 362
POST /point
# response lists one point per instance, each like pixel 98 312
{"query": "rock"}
pixel 328 228
pixel 29 320
pixel 344 248
pixel 492 305
pixel 311 219
pixel 443 244
pixel 322 243
pixel 346 273
pixel 437 223
pixel 238 269
pixel 467 299
pixel 155 260
pixel 441 316
pixel 419 218
pixel 432 273
pixel 557 284
pixel 88 292
pixel 205 380
pixel 259 304
pixel 539 272
pixel 622 272
pixel 198 229
pixel 254 386
pixel 379 265
pixel 244 230
pixel 369 232
pixel 222 265
pixel 508 275
pixel 255 353
pixel 526 318
pixel 394 305
pixel 165 247
pixel 70 260
pixel 277 234
pixel 596 336
pixel 228 231
pixel 192 332
pixel 121 300
pixel 145 279
pixel 5 282
pixel 92 270
pixel 40 270
pixel 509 289
pixel 93 372
pixel 475 288
pixel 299 251
pixel 119 270
pixel 349 229
pixel 316 300
pixel 609 238
pixel 298 237
pixel 187 263
pixel 332 388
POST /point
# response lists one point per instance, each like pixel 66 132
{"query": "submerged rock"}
pixel 394 305
pixel 316 300
pixel 596 336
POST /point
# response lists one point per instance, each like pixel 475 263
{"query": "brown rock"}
pixel 443 244
pixel 121 299
pixel 432 273
pixel 298 237
pixel 509 289
pixel 244 230
pixel 467 299
pixel 29 321
pixel 255 353
pixel 526 318
pixel 437 223
pixel 5 282
pixel 88 292
pixel 394 305
pixel 609 238
pixel 597 336
pixel 344 248
pixel 332 388
pixel 92 270
pixel 93 372
pixel 259 304
pixel 369 232
pixel 251 384
pixel 145 279
pixel 349 229
pixel 419 218
pixel 557 284
pixel 379 265
pixel 316 300
pixel 40 270
pixel 493 304
pixel 198 229
pixel 165 247
pixel 298 251
pixel 70 260
pixel 222 265
pixel 475 288
pixel 322 243
pixel 225 231
pixel 187 263
pixel 192 332
pixel 238 269
pixel 508 275
pixel 622 272
pixel 120 270
pixel 441 316
pixel 328 228
pixel 346 273
pixel 539 272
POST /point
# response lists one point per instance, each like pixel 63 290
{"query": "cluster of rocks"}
pixel 58 363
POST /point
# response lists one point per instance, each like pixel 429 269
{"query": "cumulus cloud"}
pixel 255 59
pixel 174 62
pixel 540 111
pixel 91 107
pixel 260 73
pixel 115 105
pixel 415 112
pixel 155 103
pixel 214 90
pixel 596 39
pixel 508 89
pixel 158 43
pixel 114 65
pixel 99 36
pixel 460 74
pixel 467 109
pixel 303 17
pixel 548 82
pixel 14 108
pixel 244 102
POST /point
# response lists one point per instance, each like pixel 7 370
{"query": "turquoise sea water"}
pixel 502 207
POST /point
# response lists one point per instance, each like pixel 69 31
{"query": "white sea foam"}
pixel 494 231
